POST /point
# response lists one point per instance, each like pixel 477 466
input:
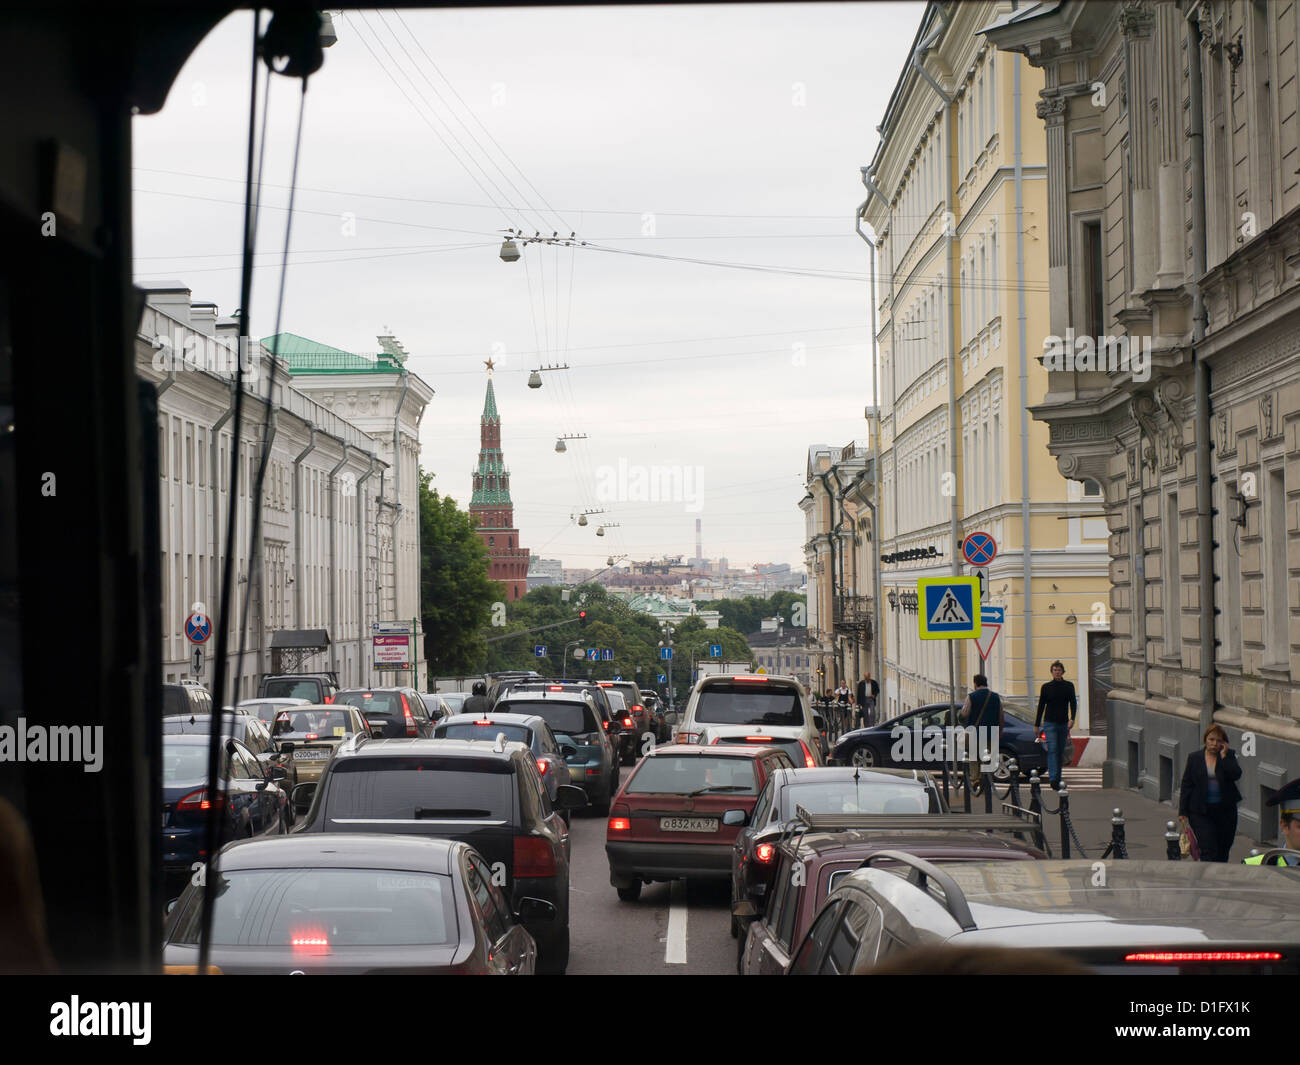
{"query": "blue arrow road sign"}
pixel 949 608
pixel 663 678
pixel 539 650
pixel 593 654
pixel 607 654
pixel 993 615
pixel 715 650
pixel 665 653
pixel 618 676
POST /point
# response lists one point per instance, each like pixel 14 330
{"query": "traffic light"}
pixel 582 617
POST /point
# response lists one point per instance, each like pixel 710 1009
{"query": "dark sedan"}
pixel 912 741
pixel 393 713
pixel 355 904
pixel 248 799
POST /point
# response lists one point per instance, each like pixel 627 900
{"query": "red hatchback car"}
pixel 680 811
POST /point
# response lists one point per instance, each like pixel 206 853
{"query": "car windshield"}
pixel 572 719
pixel 184 763
pixel 473 730
pixel 295 688
pixel 319 910
pixel 380 704
pixel 850 797
pixel 693 774
pixel 791 747
pixel 747 703
pixel 324 724
pixel 420 788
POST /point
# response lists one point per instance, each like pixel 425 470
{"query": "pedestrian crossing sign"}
pixel 948 608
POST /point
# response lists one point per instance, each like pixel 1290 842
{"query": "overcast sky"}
pixel 727 133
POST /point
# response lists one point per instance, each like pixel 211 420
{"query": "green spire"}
pixel 490 402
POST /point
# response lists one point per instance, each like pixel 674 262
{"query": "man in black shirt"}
pixel 868 690
pixel 1057 709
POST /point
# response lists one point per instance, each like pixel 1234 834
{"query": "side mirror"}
pixel 531 909
pixel 735 817
pixel 745 910
pixel 568 750
pixel 569 797
pixel 286 747
pixel 278 773
pixel 172 905
pixel 303 795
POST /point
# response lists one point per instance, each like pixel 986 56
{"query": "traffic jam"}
pixel 534 826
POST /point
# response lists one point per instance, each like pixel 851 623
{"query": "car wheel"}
pixel 1002 774
pixel 865 756
pixel 632 893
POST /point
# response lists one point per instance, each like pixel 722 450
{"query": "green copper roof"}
pixel 306 356
pixel 490 402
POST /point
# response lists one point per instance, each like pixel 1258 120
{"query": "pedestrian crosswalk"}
pixel 1082 778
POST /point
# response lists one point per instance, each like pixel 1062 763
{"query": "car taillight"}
pixel 628 722
pixel 606 724
pixel 764 852
pixel 758 739
pixel 310 941
pixel 542 766
pixel 750 680
pixel 688 737
pixel 198 800
pixel 620 824
pixel 1175 956
pixel 311 736
pixel 329 700
pixel 484 722
pixel 533 857
pixel 554 688
pixel 411 730
pixel 808 759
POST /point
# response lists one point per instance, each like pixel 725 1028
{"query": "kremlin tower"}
pixel 490 505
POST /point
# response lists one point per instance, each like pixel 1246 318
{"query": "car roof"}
pixel 349 691
pixel 342 851
pixel 283 700
pixel 777 732
pixel 695 751
pixel 802 775
pixel 428 748
pixel 196 738
pixel 1056 903
pixel 934 845
pixel 713 678
pixel 569 695
pixel 524 720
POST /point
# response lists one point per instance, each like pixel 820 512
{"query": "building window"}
pixel 1230 567
pixel 1172 575
pixel 1091 489
pixel 1277 618
pixel 1095 296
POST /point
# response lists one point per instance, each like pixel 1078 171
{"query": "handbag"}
pixel 1187 844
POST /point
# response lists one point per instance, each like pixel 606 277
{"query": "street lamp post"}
pixel 564 659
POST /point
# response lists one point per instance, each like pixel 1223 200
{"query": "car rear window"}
pixel 748 704
pixel 471 731
pixel 422 788
pixel 380 704
pixel 184 763
pixel 175 701
pixel 687 774
pixel 290 688
pixel 326 724
pixel 847 797
pixel 791 747
pixel 572 719
pixel 323 909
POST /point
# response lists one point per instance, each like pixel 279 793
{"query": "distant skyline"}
pixel 724 135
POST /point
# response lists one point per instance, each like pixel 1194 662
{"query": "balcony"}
pixel 853 614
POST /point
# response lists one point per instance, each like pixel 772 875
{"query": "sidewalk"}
pixel 1144 823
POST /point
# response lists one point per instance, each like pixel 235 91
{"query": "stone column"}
pixel 1167 104
pixel 1052 110
pixel 1136 20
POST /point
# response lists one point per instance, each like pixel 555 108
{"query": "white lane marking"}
pixel 675 952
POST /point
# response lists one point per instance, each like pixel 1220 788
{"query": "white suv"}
pixel 778 705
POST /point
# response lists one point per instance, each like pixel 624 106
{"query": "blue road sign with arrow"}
pixel 607 654
pixel 593 654
pixel 665 653
pixel 715 650
pixel 539 650
pixel 663 678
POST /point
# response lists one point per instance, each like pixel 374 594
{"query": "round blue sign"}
pixel 979 549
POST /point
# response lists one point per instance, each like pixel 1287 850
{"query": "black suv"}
pixel 318 688
pixel 491 797
pixel 625 739
pixel 393 713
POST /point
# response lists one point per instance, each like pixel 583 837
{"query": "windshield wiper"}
pixel 720 787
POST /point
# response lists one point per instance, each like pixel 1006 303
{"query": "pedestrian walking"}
pixel 1288 797
pixel 982 710
pixel 868 691
pixel 1208 796
pixel 477 703
pixel 1057 708
pixel 843 698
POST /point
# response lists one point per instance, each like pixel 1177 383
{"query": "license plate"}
pixel 306 756
pixel 688 824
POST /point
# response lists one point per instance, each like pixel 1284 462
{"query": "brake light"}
pixel 367 695
pixel 606 724
pixel 620 824
pixel 555 688
pixel 310 940
pixel 533 857
pixel 411 730
pixel 542 766
pixel 756 739
pixel 485 721
pixel 198 800
pixel 329 700
pixel 688 737
pixel 637 708
pixel 628 722
pixel 311 736
pixel 750 680
pixel 1162 956
pixel 808 759
pixel 764 852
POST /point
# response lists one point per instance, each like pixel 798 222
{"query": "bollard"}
pixel 987 783
pixel 1118 845
pixel 1064 812
pixel 1014 791
pixel 965 788
pixel 1172 851
pixel 1035 793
